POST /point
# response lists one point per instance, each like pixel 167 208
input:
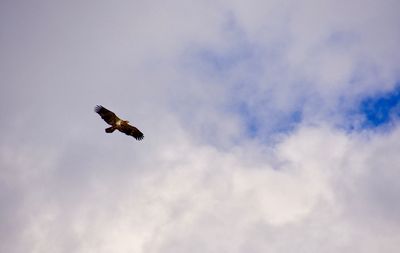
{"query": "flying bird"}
pixel 117 123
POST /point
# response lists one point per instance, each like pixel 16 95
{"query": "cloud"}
pixel 242 106
pixel 201 198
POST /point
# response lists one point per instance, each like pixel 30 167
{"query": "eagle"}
pixel 117 123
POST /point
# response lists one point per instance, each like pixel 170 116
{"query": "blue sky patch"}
pixel 380 109
pixel 258 126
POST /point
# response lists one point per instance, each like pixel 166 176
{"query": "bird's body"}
pixel 117 123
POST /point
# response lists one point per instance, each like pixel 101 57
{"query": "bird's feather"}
pixel 132 131
pixel 107 115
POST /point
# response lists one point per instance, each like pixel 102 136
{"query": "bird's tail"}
pixel 110 130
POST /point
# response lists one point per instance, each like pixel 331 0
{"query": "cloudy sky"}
pixel 270 126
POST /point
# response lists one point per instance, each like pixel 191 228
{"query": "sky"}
pixel 270 126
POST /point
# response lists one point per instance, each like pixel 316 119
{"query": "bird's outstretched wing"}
pixel 106 114
pixel 132 131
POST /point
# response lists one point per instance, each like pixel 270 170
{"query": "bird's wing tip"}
pixel 97 108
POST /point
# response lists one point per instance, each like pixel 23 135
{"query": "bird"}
pixel 117 123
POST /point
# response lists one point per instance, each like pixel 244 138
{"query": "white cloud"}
pixel 324 187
